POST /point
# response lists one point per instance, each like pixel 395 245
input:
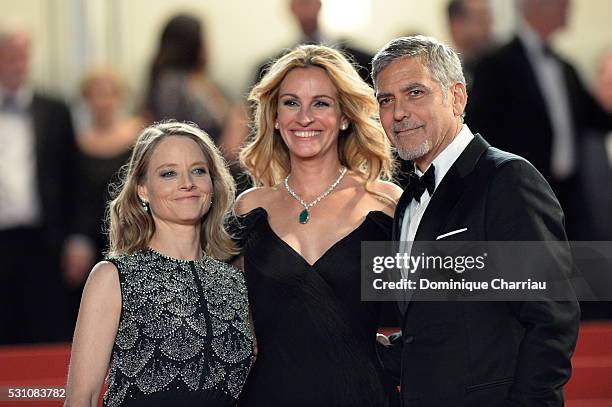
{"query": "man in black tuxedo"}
pixel 468 353
pixel 37 152
pixel 529 101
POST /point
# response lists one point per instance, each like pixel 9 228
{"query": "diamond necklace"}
pixel 305 215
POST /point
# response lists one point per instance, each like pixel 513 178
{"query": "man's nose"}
pixel 400 110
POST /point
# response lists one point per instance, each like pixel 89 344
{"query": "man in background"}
pixel 603 92
pixel 306 14
pixel 531 102
pixel 470 23
pixel 36 197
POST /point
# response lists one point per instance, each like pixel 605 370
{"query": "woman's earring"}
pixel 145 205
pixel 276 125
pixel 343 127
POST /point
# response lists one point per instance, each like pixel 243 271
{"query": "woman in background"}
pixel 179 87
pixel 164 310
pixel 318 158
pixel 105 138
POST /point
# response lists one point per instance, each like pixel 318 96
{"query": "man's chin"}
pixel 411 154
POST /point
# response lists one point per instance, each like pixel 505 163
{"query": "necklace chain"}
pixel 320 197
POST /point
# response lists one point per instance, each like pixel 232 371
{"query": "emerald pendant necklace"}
pixel 305 215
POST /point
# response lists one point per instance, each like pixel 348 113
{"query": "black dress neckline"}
pixel 335 246
pixel 313 330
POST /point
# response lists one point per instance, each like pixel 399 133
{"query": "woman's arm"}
pixel 94 336
pixel 239 263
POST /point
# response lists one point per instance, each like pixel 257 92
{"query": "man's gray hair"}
pixel 440 59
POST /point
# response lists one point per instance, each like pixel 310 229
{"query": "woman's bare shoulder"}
pixel 104 275
pixel 254 198
pixel 390 189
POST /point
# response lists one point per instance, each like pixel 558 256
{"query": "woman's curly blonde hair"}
pixel 362 147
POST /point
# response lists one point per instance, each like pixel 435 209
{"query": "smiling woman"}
pixel 319 157
pixel 165 164
pixel 177 186
pixel 309 112
pixel 164 312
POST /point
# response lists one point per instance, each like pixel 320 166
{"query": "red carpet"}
pixel 44 366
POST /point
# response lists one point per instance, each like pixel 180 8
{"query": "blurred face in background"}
pixel 472 31
pixel 603 87
pixel 15 50
pixel 306 13
pixel 103 96
pixel 557 12
pixel 546 16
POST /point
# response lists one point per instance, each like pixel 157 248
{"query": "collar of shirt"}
pixel 552 84
pixel 442 163
pixel 531 40
pixel 449 155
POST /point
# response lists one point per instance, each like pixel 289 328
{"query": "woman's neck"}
pixel 178 241
pixel 104 121
pixel 311 178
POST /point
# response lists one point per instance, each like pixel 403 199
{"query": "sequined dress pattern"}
pixel 183 329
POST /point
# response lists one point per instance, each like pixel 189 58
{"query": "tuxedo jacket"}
pixel 55 167
pixel 507 105
pixel 487 353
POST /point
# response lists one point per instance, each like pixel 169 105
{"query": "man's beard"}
pixel 411 154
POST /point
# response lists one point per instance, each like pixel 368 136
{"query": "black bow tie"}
pixel 547 51
pixel 417 185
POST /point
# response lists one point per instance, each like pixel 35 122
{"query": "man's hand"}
pixel 382 339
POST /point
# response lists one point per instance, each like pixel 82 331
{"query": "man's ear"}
pixel 458 98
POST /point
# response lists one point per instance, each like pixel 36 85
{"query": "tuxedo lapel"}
pixel 442 202
pixel 444 199
pixel 526 71
pixel 38 122
pixel 449 191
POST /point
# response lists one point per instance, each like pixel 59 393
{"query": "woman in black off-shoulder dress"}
pixel 318 158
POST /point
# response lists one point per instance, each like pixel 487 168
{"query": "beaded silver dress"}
pixel 183 337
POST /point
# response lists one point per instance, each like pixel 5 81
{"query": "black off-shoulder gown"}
pixel 317 340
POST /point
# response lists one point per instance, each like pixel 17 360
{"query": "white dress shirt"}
pixel 442 163
pixel 19 200
pixel 549 75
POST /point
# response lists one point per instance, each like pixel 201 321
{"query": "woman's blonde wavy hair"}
pixel 131 228
pixel 362 147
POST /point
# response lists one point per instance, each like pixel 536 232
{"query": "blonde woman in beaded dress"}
pixel 164 312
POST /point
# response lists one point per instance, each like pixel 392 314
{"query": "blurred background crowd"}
pixel 80 78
